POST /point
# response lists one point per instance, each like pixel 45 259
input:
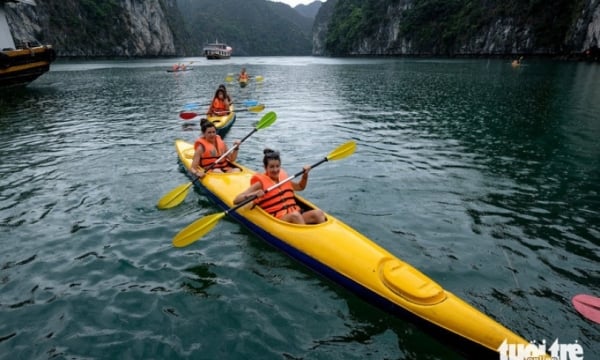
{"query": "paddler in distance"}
pixel 219 105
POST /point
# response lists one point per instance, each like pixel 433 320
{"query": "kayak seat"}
pixel 409 283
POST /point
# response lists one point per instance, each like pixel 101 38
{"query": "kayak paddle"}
pixel 588 306
pixel 196 105
pixel 188 115
pixel 229 78
pixel 200 227
pixel 178 194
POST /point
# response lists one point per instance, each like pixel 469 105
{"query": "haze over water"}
pixel 483 176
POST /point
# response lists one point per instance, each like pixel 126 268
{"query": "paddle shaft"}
pixel 185 114
pixel 236 145
pixel 289 178
pixel 238 110
pixel 231 150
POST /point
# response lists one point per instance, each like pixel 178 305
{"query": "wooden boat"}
pixel 22 64
pixel 342 254
pixel 217 51
pixel 223 123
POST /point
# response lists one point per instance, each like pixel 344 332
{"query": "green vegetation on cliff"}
pixel 251 27
pixel 441 26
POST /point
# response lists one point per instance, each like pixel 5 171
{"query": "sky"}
pixel 293 3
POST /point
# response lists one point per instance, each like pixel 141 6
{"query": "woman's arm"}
pixel 195 168
pixel 301 185
pixel 254 189
pixel 233 155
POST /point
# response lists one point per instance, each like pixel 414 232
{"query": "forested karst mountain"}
pixel 457 27
pixel 101 27
pixel 310 10
pixel 133 28
pixel 251 27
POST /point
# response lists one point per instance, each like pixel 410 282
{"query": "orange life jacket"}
pixel 244 77
pixel 211 154
pixel 218 106
pixel 279 201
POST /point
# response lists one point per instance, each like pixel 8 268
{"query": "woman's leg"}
pixel 314 217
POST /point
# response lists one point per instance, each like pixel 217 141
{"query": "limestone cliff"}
pixel 456 28
pixel 128 28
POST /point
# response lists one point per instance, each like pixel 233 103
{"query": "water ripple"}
pixel 484 178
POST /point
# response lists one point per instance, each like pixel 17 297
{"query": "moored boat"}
pixel 342 254
pixel 217 51
pixel 22 64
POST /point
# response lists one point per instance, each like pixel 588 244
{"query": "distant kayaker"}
pixel 280 202
pixel 219 105
pixel 243 75
pixel 208 148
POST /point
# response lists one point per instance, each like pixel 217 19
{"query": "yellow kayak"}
pixel 224 122
pixel 347 257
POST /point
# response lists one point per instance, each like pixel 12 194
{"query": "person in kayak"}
pixel 208 148
pixel 219 105
pixel 280 202
pixel 227 96
pixel 243 76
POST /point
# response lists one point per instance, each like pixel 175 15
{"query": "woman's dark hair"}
pixel 205 124
pixel 270 155
pixel 220 90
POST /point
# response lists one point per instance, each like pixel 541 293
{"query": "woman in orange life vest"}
pixel 280 202
pixel 208 148
pixel 220 104
pixel 227 96
pixel 243 76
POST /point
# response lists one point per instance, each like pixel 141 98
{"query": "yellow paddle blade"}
pixel 196 230
pixel 342 151
pixel 229 79
pixel 257 108
pixel 174 197
pixel 259 78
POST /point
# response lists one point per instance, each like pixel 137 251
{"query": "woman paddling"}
pixel 243 76
pixel 227 96
pixel 219 105
pixel 208 148
pixel 280 202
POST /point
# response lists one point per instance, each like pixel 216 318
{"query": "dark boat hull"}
pixel 22 66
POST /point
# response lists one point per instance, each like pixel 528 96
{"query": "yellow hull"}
pixel 223 123
pixel 341 253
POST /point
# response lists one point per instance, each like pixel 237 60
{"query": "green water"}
pixel 484 177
